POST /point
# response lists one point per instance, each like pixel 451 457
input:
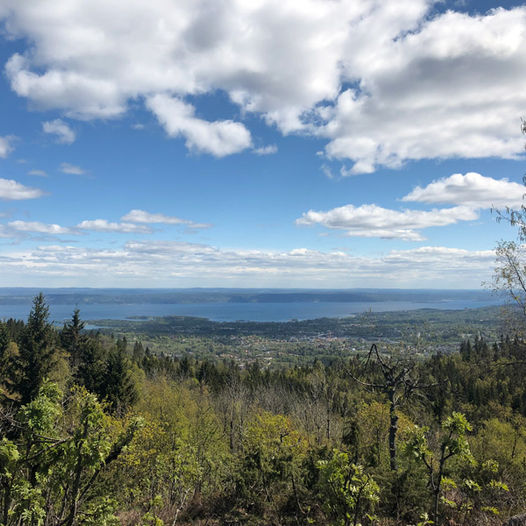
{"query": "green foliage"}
pixel 9 365
pixel 450 442
pixel 118 387
pixel 178 454
pixel 348 493
pixel 72 338
pixel 131 437
pixel 91 369
pixel 37 350
pixel 49 471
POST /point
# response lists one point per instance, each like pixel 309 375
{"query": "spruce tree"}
pixel 119 387
pixel 92 365
pixel 37 350
pixel 9 366
pixel 138 352
pixel 71 338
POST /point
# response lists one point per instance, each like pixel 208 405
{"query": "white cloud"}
pixel 383 81
pixel 37 227
pixel 63 132
pixel 103 225
pixel 71 169
pixel 276 57
pixel 442 263
pixel 6 145
pixel 169 264
pixel 375 221
pixel 218 138
pixel 266 150
pixel 452 88
pixel 39 173
pixel 472 189
pixel 141 216
pixel 12 190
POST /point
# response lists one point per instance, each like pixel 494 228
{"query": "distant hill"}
pixel 85 296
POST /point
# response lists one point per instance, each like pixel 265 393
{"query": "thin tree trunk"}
pixel 7 502
pixel 393 429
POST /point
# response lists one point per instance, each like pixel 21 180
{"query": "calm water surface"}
pixel 238 311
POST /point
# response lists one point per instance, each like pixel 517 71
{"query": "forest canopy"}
pixel 101 430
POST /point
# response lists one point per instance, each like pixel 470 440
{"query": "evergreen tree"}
pixel 4 342
pixel 122 344
pixel 119 387
pixel 8 364
pixel 71 338
pixel 138 352
pixel 92 365
pixel 37 350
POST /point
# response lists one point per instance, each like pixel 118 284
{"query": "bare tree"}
pixel 399 383
pixel 510 272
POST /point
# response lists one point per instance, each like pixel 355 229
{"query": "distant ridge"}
pixel 86 296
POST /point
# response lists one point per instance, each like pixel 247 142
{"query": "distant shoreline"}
pixel 241 311
pixel 80 297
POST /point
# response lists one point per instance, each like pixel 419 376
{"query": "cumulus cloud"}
pixel 40 228
pixel 71 169
pixel 472 189
pixel 61 130
pixel 6 146
pixel 218 138
pixel 141 216
pixel 103 225
pixel 11 190
pixel 180 264
pixel 274 57
pixel 382 81
pixel 448 89
pixel 375 221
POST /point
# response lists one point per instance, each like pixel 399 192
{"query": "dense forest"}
pixel 99 430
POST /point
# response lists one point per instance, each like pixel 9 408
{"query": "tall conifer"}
pixel 37 350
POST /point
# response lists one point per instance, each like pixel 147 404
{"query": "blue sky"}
pixel 258 144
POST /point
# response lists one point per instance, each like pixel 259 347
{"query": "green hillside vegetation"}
pixel 277 344
pixel 102 430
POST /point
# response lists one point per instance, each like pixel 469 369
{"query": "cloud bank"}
pixel 375 221
pixel 170 264
pixel 471 193
pixel 382 81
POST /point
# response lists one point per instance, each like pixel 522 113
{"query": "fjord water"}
pixel 247 311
